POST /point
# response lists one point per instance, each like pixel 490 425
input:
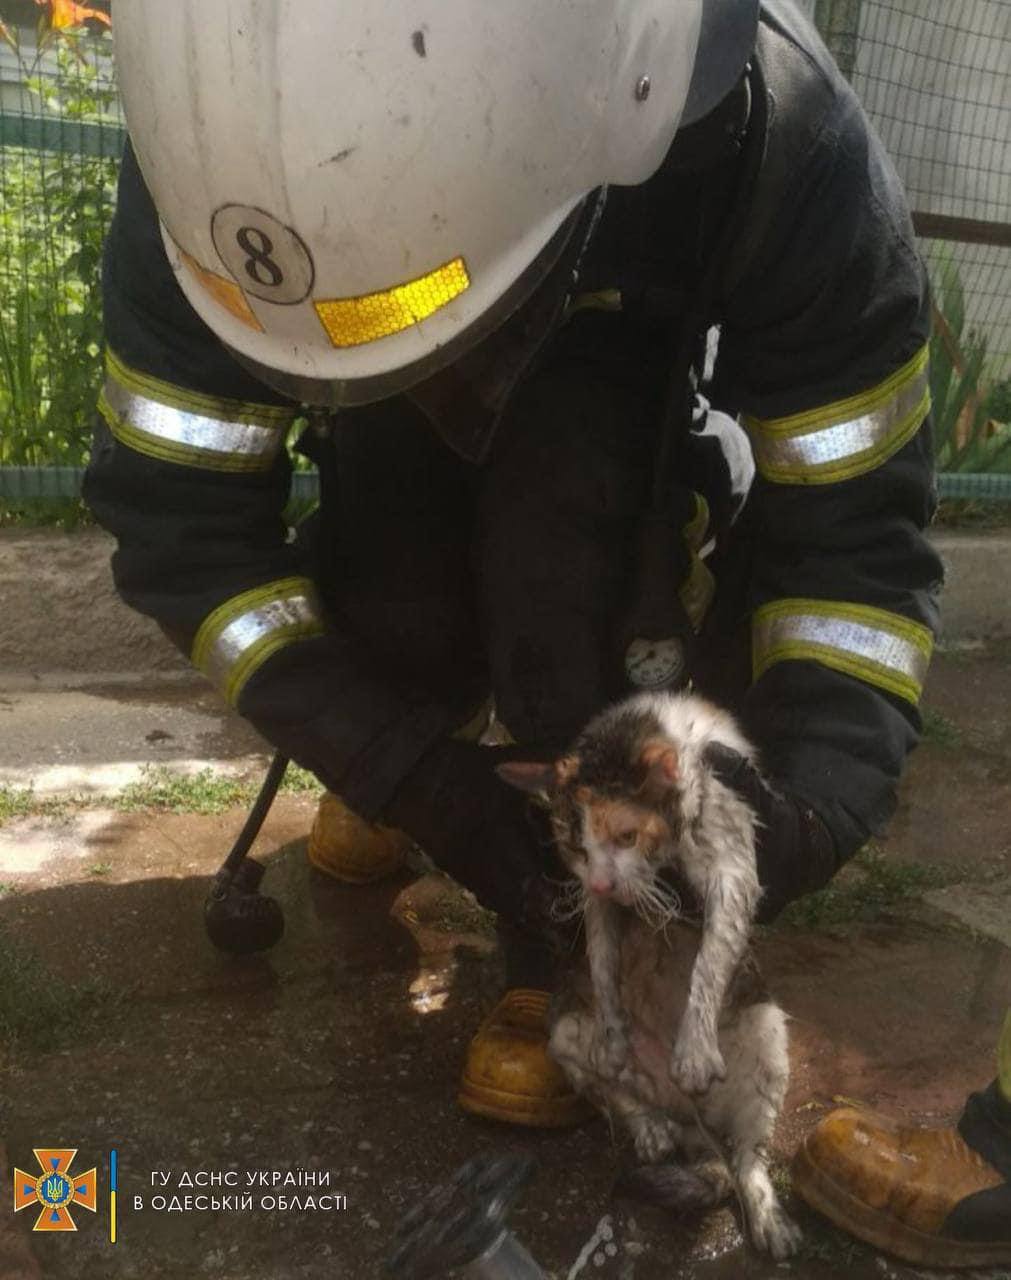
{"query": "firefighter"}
pixel 523 272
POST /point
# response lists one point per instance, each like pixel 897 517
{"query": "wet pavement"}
pixel 336 1056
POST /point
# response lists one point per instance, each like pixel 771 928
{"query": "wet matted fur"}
pixel 665 1023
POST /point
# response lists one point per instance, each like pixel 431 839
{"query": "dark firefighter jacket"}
pixel 823 312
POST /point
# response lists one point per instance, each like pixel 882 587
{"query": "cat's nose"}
pixel 602 885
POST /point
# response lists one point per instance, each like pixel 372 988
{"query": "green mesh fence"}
pixel 934 80
pixel 60 139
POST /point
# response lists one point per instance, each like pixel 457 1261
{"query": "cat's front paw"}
pixel 776 1234
pixel 696 1064
pixel 610 1052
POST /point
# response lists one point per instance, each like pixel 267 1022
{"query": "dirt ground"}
pixel 339 1051
pixel 61 614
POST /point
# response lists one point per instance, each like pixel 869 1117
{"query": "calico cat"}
pixel 668 1026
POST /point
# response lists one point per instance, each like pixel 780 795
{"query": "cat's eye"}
pixel 627 838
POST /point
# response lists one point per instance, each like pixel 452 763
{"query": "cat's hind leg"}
pixel 654 1133
pixel 680 1188
pixel 575 1046
pixel 742 1111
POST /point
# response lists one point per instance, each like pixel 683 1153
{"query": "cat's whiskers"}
pixel 569 901
pixel 655 903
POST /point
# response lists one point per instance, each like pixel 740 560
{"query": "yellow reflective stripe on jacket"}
pixel 872 644
pixel 845 439
pixel 240 635
pixel 699 587
pixel 193 430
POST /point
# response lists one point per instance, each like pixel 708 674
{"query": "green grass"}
pixel 973 513
pixel 39 1008
pixel 204 792
pixel 160 788
pixel 300 781
pixel 68 514
pixel 22 802
pixel 16 802
pixel 870 887
pixel 940 729
pixel 460 912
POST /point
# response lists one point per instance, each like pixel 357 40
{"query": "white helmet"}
pixel 351 194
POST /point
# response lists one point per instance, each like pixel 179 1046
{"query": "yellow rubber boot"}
pixel 508 1074
pixel 348 848
pixel 923 1194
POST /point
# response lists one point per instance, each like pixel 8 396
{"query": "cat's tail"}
pixel 681 1188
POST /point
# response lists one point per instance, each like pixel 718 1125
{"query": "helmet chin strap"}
pixel 726 42
pixel 466 401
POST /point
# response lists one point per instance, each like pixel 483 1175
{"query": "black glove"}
pixel 795 852
pixel 480 831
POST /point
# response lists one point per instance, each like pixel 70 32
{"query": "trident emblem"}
pixel 56 1189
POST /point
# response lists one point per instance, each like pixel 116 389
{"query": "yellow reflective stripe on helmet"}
pixel 699 587
pixel 350 322
pixel 845 439
pixel 872 644
pixel 240 635
pixel 193 430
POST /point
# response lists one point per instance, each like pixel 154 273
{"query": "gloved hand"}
pixel 795 852
pixel 480 831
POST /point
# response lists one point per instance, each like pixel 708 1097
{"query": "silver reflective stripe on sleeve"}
pixel 845 439
pixel 190 429
pixel 875 645
pixel 239 636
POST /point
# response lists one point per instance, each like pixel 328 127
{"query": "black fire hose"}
pixel 237 917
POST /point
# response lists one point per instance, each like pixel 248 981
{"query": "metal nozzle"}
pixel 461 1223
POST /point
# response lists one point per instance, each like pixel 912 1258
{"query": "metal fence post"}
pixel 839 24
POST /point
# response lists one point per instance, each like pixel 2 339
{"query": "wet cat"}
pixel 668 1026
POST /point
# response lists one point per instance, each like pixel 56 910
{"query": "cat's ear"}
pixel 527 775
pixel 538 778
pixel 660 760
pixel 566 768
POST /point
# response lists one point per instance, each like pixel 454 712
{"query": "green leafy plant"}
pixel 998 401
pixel 966 437
pixel 54 208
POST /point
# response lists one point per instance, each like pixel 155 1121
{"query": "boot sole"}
pixel 886 1233
pixel 513 1108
